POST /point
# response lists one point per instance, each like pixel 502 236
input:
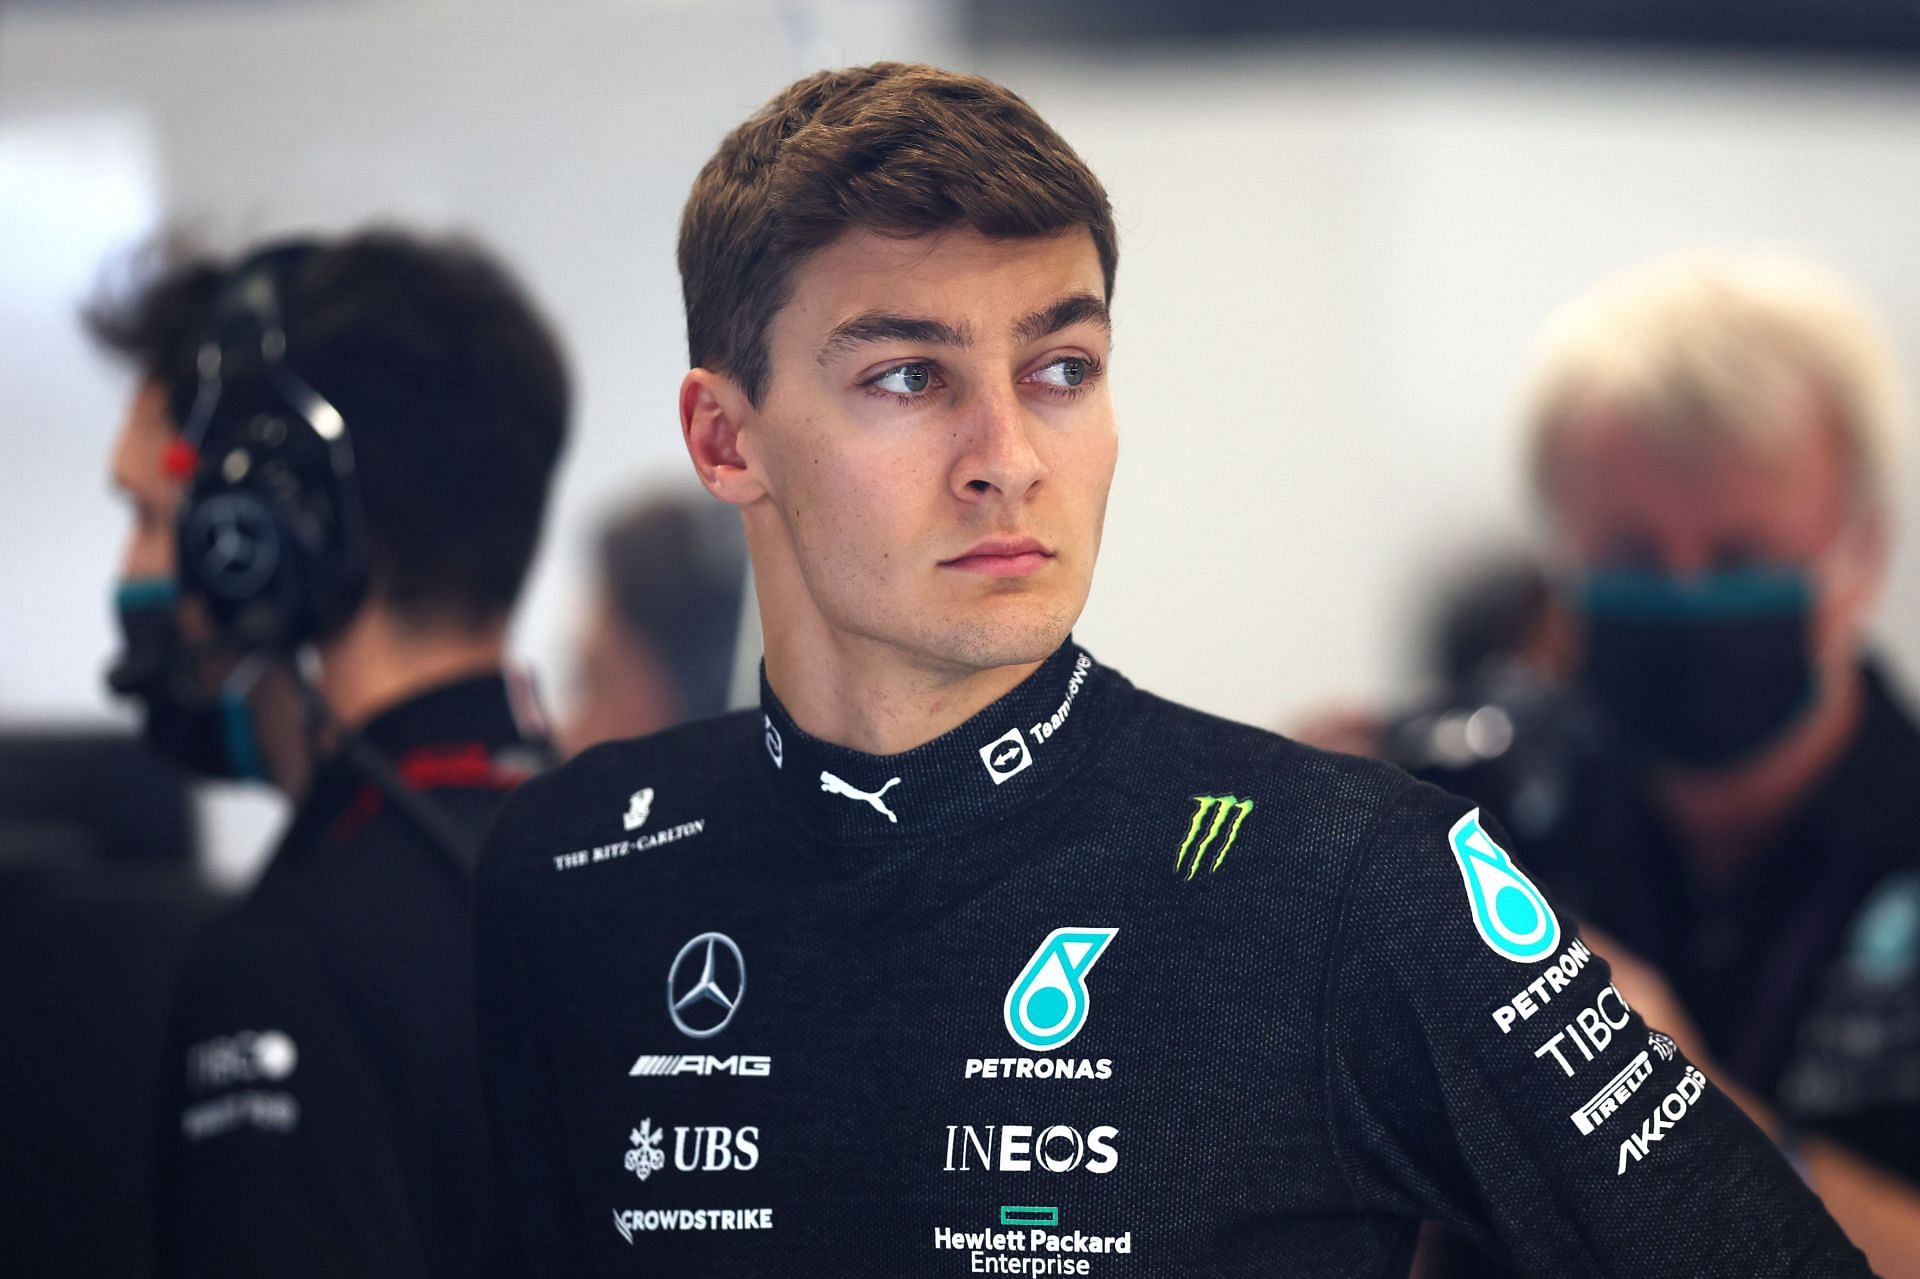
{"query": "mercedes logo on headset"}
pixel 705 985
pixel 234 543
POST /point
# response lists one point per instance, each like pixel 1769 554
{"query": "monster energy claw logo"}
pixel 1509 912
pixel 1047 1003
pixel 1216 813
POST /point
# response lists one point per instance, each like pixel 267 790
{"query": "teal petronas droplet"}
pixel 1509 913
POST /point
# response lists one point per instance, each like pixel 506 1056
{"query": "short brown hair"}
pixel 893 147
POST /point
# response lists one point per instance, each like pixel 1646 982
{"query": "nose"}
pixel 148 551
pixel 997 458
pixel 1690 558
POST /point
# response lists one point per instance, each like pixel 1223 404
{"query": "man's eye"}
pixel 908 379
pixel 1068 371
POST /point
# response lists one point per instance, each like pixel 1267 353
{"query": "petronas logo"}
pixel 1216 824
pixel 1047 1003
pixel 1509 912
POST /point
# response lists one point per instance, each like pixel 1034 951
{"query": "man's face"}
pixel 154 495
pixel 1624 500
pixel 936 441
pixel 141 474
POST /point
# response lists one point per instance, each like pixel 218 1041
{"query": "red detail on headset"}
pixel 180 460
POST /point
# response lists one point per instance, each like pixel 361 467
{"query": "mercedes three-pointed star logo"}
pixel 694 995
pixel 235 542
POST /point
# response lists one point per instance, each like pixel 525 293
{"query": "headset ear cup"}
pixel 234 548
pixel 267 539
pixel 271 535
pixel 233 556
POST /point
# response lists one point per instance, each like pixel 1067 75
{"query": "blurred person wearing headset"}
pixel 657 648
pixel 963 954
pixel 338 457
pixel 1713 441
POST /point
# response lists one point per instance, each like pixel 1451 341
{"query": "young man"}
pixel 962 955
pixel 338 456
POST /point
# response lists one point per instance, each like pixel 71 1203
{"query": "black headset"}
pixel 271 533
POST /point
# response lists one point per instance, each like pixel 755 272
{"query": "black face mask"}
pixel 210 734
pixel 1704 673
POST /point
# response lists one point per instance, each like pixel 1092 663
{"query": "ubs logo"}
pixel 695 1149
pixel 705 985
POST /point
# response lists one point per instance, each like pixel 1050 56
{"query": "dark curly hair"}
pixel 455 388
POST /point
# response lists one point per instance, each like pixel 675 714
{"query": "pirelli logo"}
pixel 1215 825
pixel 657 1064
pixel 1604 1103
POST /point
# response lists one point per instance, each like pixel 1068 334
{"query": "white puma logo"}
pixel 835 786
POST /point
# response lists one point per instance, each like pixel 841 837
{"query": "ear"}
pixel 714 416
pixel 1875 536
pixel 1879 534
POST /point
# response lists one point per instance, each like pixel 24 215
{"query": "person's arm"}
pixel 277 1153
pixel 1484 1071
pixel 1879 1211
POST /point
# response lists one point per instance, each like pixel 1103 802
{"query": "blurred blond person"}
pixel 1713 442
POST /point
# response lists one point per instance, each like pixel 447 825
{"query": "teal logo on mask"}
pixel 1047 1004
pixel 1512 916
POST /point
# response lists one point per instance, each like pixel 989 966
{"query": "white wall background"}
pixel 1333 263
pixel 1333 268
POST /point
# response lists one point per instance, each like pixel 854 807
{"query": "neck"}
pixel 1726 818
pixel 379 661
pixel 869 696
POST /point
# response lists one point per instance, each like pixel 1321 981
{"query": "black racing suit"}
pixel 1093 984
pixel 322 1110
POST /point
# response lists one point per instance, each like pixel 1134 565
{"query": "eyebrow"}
pixel 887 326
pixel 1075 308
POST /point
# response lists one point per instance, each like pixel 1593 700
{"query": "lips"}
pixel 1002 557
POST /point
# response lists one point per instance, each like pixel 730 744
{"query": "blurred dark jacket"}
pixel 321 1113
pixel 98 896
